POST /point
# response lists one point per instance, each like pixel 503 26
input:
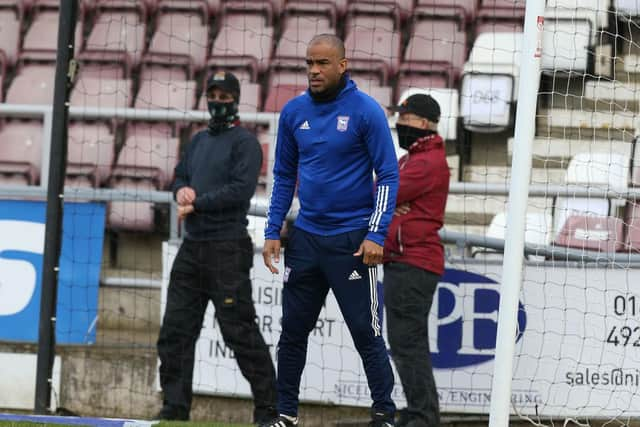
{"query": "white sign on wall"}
pixel 576 353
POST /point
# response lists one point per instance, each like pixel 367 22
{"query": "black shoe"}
pixel 403 417
pixel 263 415
pixel 281 422
pixel 381 419
pixel 172 413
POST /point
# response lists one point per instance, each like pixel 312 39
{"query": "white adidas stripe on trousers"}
pixel 373 291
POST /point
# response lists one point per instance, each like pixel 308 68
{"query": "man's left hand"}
pixel 184 210
pixel 372 252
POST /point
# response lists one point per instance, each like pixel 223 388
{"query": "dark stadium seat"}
pixel 21 152
pixel 33 84
pixel 373 50
pixel 118 31
pixel 90 154
pixel 250 99
pixel 247 47
pixel 145 163
pixel 9 34
pixel 436 46
pixel 279 95
pixel 446 8
pixel 180 41
pixel 90 91
pixel 595 233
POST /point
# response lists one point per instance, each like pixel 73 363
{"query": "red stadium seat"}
pixel 130 215
pixel 293 43
pixel 595 233
pixel 436 47
pixel 33 84
pixel 246 47
pixel 288 75
pixel 90 153
pixel 373 50
pixel 171 94
pixel 102 92
pixel 383 17
pixel 200 8
pixel 499 27
pixel 279 95
pixel 398 9
pixel 118 31
pixel 9 34
pixel 466 9
pixel 632 222
pixel 319 17
pixel 21 152
pixel 41 41
pixel 408 80
pixel 247 14
pixel 3 72
pixel 179 41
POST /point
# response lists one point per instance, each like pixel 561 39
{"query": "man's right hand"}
pixel 185 196
pixel 271 254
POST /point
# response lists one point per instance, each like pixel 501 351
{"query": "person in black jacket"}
pixel 214 182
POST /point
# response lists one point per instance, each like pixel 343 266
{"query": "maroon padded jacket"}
pixel 424 184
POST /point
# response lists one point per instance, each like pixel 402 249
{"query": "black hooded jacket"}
pixel 223 170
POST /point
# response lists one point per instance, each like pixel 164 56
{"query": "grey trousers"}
pixel 408 294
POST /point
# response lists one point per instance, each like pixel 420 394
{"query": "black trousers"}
pixel 408 294
pixel 216 271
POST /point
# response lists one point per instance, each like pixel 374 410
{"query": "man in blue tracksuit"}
pixel 330 140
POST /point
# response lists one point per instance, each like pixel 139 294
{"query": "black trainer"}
pixel 281 422
pixel 172 413
pixel 263 415
pixel 381 419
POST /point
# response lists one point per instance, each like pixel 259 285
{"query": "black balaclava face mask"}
pixel 223 115
pixel 407 135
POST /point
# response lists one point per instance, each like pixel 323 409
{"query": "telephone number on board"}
pixel 624 336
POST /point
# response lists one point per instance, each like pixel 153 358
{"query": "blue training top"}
pixel 332 148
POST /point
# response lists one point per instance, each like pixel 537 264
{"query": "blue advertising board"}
pixel 22 230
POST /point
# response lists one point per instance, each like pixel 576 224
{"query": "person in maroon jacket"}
pixel 414 255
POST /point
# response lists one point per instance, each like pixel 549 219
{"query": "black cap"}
pixel 421 105
pixel 225 81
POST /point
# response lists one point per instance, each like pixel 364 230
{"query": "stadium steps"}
pixel 478 210
pixel 502 174
pixel 553 152
pixel 580 124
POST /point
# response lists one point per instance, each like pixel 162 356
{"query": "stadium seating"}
pixel 20 152
pixel 632 229
pixel 145 163
pixel 595 233
pixel 381 17
pixel 40 41
pixel 90 154
pixel 448 9
pixel 373 51
pixel 537 232
pixel 279 95
pixel 3 73
pixel 243 47
pixel 9 34
pixel 171 94
pixel 604 170
pixel 566 44
pixel 100 92
pixel 489 80
pixel 179 41
pixel 301 15
pixel 33 84
pixel 510 10
pixel 118 31
pixel 436 47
